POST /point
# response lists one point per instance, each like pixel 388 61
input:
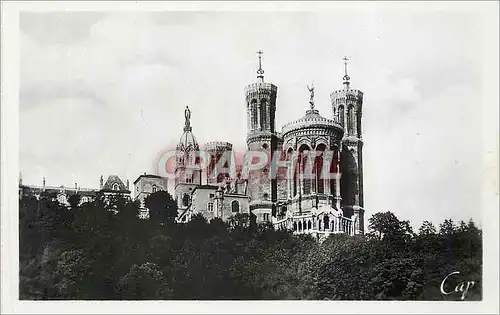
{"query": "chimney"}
pixel 44 181
pixel 101 182
pixel 128 184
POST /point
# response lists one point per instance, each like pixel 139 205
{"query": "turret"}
pixel 186 145
pixel 220 158
pixel 261 110
pixel 187 177
pixel 347 105
pixel 260 100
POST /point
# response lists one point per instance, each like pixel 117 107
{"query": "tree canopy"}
pixel 102 250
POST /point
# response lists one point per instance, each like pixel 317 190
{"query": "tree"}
pixel 74 201
pixel 74 270
pixel 447 227
pixel 427 228
pixel 143 282
pixel 102 250
pixel 162 207
pixel 386 226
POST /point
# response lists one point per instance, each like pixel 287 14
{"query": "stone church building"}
pixel 305 205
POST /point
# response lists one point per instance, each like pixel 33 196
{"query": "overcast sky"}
pixel 104 93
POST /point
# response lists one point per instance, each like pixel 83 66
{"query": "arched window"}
pixel 293 184
pixel 341 115
pixel 295 226
pixel 155 189
pixel 318 167
pixel 333 170
pixel 352 114
pixel 263 113
pixel 283 210
pixel 304 155
pixel 300 226
pixel 186 200
pixel 235 206
pixel 349 122
pixel 309 225
pixel 327 222
pixel 253 109
pixel 116 186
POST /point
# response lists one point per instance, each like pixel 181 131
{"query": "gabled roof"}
pixel 110 183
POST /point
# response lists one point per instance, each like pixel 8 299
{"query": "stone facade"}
pixel 211 202
pixel 314 205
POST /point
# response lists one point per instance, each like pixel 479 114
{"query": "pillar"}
pixel 338 197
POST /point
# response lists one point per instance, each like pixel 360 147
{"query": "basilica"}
pixel 314 206
pixel 303 204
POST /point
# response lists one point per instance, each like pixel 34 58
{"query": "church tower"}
pixel 261 109
pixel 187 177
pixel 347 107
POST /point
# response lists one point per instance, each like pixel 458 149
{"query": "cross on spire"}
pixel 346 76
pixel 260 72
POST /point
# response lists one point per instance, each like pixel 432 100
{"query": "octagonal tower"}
pixel 261 136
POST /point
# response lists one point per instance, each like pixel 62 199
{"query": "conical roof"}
pixel 187 141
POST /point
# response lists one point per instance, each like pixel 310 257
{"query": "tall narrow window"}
pixel 305 170
pixel 296 170
pixel 352 115
pixel 235 206
pixel 263 113
pixel 210 207
pixel 349 121
pixel 327 222
pixel 341 115
pixel 318 167
pixel 186 200
pixel 253 109
pixel 116 186
pixel 333 170
pixel 155 189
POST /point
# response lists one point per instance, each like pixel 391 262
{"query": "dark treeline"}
pixel 101 250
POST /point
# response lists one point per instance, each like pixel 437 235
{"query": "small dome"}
pixel 312 119
pixel 187 142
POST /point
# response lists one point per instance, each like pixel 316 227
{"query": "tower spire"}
pixel 346 76
pixel 260 72
pixel 187 116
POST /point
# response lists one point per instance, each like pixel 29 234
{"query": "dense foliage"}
pixel 101 250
